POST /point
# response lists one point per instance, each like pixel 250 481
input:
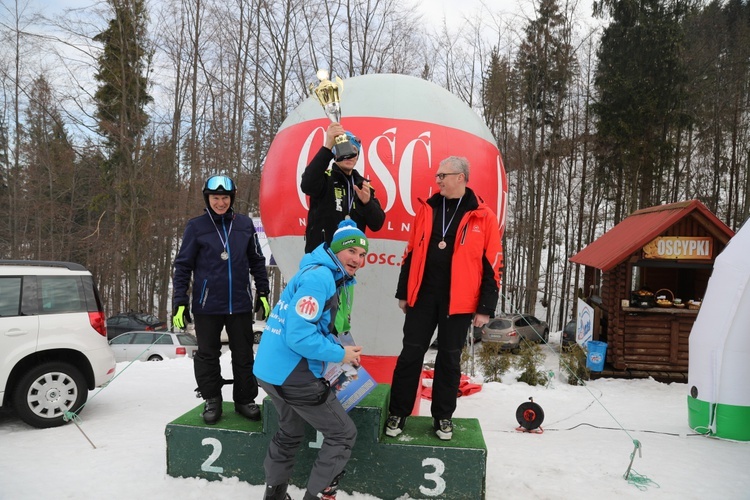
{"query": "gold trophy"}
pixel 328 94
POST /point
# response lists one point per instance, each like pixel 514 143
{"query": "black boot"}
pixel 212 410
pixel 309 496
pixel 248 410
pixel 277 492
pixel 329 493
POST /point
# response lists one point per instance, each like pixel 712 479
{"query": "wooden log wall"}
pixel 642 341
pixel 613 283
pixel 656 342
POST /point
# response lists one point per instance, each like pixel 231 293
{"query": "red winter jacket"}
pixel 476 262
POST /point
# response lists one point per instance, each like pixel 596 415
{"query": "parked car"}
pixel 153 346
pixel 506 329
pixel 129 322
pixel 258 326
pixel 531 328
pixel 500 330
pixel 53 340
pixel 568 336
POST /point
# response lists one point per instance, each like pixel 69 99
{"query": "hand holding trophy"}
pixel 329 96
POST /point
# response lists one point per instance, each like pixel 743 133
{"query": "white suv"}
pixel 53 340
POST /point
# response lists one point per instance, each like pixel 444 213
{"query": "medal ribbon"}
pixel 350 193
pixel 445 228
pixel 224 243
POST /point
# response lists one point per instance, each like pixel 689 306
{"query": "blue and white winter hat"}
pixel 348 235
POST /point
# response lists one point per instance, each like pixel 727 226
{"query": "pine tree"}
pixel 640 81
pixel 122 94
pixel 545 64
pixel 122 120
pixel 50 160
pixel 498 96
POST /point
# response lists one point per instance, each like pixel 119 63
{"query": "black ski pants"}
pixel 429 311
pixel 206 362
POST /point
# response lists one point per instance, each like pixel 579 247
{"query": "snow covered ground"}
pixel 583 453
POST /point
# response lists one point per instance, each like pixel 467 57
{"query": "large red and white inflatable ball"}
pixel 407 126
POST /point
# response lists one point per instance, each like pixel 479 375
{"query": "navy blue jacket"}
pixel 219 286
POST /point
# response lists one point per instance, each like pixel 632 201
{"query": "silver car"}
pixel 153 346
pixel 509 330
pixel 531 328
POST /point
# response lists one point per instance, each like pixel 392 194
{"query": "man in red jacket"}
pixel 449 279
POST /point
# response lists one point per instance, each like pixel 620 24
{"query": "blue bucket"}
pixel 597 353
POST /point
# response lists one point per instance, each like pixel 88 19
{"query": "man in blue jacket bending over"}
pixel 298 342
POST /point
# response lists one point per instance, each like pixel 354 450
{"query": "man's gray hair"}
pixel 457 164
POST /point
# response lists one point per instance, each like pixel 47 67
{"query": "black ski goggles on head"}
pixel 218 182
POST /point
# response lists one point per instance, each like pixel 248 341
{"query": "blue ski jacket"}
pixel 298 339
pixel 219 286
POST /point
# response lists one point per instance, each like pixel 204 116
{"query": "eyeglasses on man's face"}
pixel 442 176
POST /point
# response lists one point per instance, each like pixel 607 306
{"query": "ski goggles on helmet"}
pixel 219 182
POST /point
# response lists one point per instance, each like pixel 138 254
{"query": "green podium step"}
pixel 416 463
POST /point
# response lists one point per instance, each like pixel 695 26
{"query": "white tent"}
pixel 719 367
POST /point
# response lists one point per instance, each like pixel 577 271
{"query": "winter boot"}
pixel 248 410
pixel 394 425
pixel 329 493
pixel 443 428
pixel 212 410
pixel 277 492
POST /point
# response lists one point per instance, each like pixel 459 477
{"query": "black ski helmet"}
pixel 219 184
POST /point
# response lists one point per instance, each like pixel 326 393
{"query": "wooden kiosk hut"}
pixel 645 279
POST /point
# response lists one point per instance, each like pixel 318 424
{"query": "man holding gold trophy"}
pixel 336 190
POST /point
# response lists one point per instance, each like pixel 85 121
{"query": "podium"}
pixel 416 463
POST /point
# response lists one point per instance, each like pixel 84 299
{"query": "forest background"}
pixel 112 115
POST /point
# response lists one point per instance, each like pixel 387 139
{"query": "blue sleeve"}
pixel 257 262
pixel 184 264
pixel 308 320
